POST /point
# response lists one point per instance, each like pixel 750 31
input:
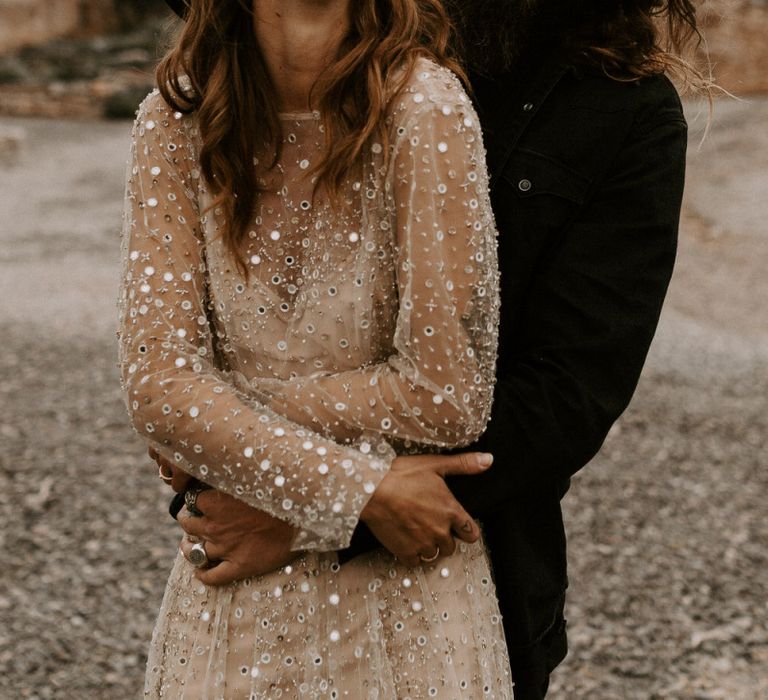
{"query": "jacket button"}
pixel 524 185
pixel 528 106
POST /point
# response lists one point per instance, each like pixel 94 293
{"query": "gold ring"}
pixel 167 479
pixel 427 560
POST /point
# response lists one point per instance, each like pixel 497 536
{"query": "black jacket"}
pixel 587 180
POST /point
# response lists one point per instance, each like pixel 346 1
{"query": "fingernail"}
pixel 486 460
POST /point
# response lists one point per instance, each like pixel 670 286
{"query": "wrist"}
pixel 373 510
pixel 367 513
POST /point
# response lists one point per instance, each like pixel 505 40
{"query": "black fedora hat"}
pixel 178 6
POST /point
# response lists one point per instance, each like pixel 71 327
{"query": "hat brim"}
pixel 178 6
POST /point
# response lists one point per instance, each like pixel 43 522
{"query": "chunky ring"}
pixel 167 479
pixel 190 500
pixel 427 560
pixel 197 556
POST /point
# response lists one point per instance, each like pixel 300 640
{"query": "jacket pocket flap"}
pixel 531 173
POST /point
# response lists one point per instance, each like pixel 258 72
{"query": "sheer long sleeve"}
pixel 436 387
pixel 185 406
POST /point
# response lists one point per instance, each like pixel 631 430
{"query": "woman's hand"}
pixel 413 513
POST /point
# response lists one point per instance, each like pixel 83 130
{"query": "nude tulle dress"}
pixel 362 332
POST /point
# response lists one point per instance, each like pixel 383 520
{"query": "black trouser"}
pixel 531 668
pixel 530 683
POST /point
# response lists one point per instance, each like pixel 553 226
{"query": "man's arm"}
pixel 585 330
pixel 411 516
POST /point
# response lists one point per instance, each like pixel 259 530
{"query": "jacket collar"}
pixel 508 104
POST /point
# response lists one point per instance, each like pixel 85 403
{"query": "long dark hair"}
pixel 236 104
pixel 626 39
pixel 631 39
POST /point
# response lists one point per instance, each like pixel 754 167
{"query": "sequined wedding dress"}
pixel 363 332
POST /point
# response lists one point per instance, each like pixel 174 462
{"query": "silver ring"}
pixel 190 500
pixel 428 560
pixel 197 556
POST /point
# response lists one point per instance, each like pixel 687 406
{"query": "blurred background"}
pixel 668 527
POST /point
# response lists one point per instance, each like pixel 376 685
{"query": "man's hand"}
pixel 414 514
pixel 240 541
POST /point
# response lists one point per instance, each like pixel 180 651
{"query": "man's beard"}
pixel 494 33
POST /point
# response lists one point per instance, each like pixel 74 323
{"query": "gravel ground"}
pixel 668 559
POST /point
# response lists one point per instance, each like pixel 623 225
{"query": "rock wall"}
pixel 31 22
pixel 111 47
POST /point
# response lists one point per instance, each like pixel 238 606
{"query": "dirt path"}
pixel 668 535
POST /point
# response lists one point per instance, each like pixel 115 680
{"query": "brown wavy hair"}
pixel 236 102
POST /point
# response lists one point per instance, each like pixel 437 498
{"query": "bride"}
pixel 310 290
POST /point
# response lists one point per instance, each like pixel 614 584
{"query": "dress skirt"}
pixel 372 628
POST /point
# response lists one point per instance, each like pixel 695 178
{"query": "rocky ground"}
pixel 668 534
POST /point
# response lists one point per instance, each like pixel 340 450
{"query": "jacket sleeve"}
pixel 586 326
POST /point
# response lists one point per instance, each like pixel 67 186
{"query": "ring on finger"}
pixel 190 500
pixel 428 560
pixel 197 556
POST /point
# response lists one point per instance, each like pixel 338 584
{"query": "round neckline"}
pixel 299 116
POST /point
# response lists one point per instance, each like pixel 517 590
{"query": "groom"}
pixel 587 176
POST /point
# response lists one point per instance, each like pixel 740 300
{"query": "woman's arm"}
pixel 188 410
pixel 437 385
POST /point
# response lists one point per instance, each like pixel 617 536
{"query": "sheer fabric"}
pixel 363 331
